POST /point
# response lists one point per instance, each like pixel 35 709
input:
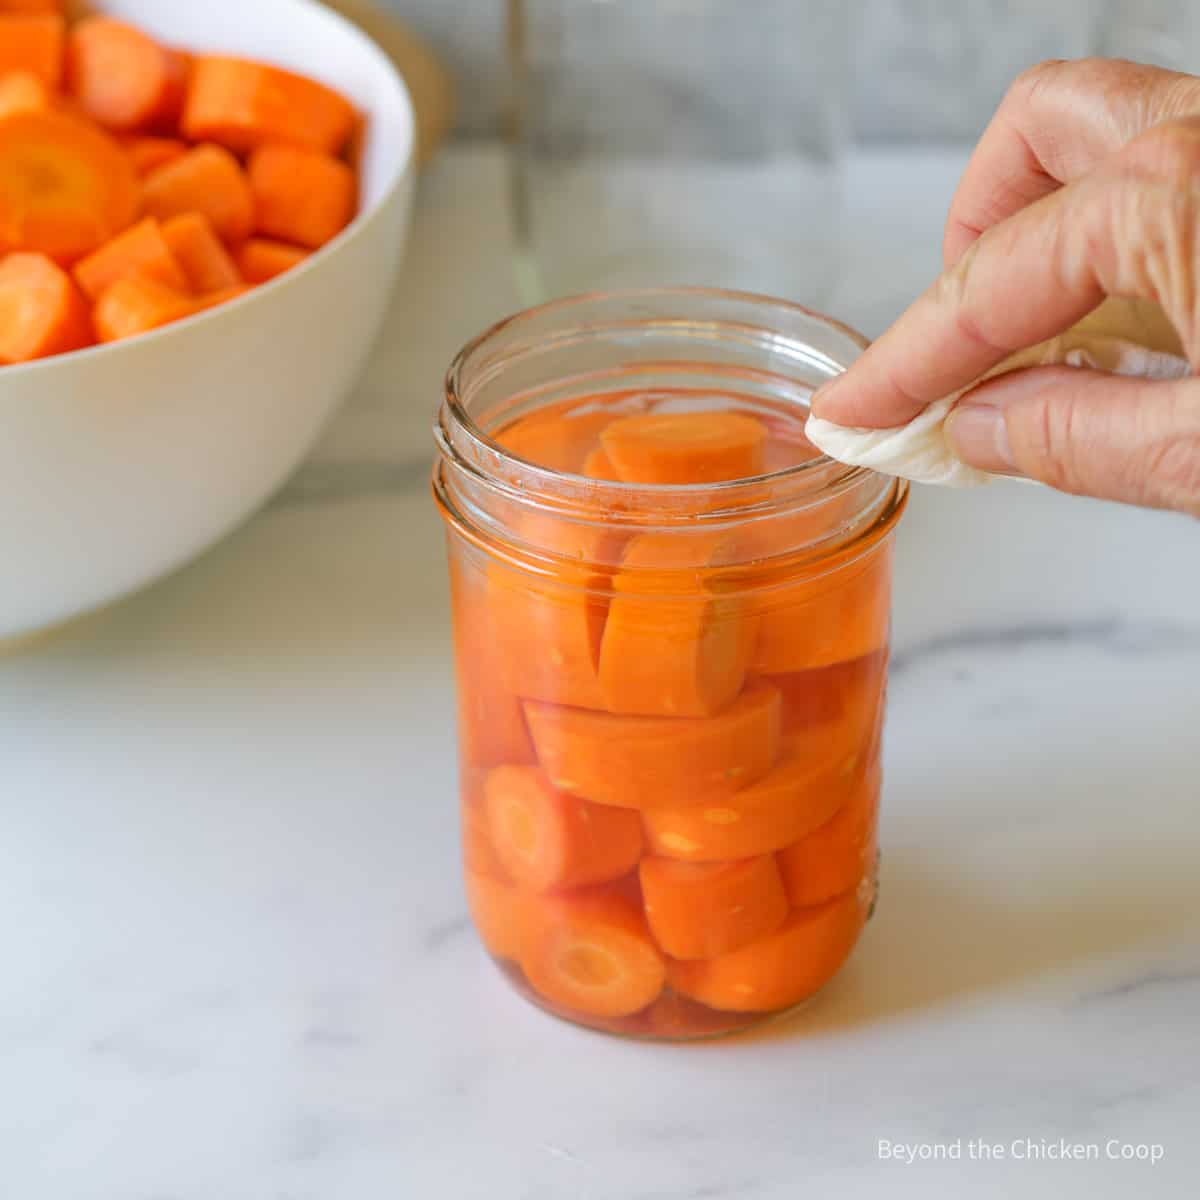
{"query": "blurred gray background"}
pixel 926 70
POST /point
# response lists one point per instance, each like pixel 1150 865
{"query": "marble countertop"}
pixel 234 957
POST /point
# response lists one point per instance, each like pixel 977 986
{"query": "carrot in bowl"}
pixel 702 910
pixel 548 839
pixel 148 152
pixel 243 104
pixel 671 646
pixel 205 262
pixel 300 196
pixel 41 311
pixel 687 447
pixel 648 762
pixel 794 798
pixel 33 41
pixel 141 248
pixel 22 92
pixel 780 969
pixel 590 952
pixel 220 296
pixel 136 304
pixel 260 259
pixel 208 180
pixel 122 77
pixel 65 187
pixel 31 6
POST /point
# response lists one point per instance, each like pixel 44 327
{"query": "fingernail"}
pixel 979 436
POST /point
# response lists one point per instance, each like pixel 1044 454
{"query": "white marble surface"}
pixel 234 959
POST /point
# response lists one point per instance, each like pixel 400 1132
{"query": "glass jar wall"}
pixel 671 624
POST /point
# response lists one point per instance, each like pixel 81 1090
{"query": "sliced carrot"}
pixel 22 92
pixel 196 247
pixel 649 762
pixel 778 970
pixel 243 104
pixel 122 77
pixel 547 839
pixel 300 195
pixel 148 153
pixel 220 296
pixel 141 248
pixel 135 304
pixel 838 856
pixel 590 952
pixel 33 41
pixel 208 180
pixel 260 259
pixel 491 721
pixel 671 646
pixel 794 798
pixel 554 440
pixel 598 465
pixel 31 6
pixel 65 187
pixel 702 910
pixel 689 447
pixel 835 618
pixel 41 312
pixel 548 629
pixel 496 904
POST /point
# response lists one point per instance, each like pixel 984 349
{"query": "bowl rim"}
pixel 365 217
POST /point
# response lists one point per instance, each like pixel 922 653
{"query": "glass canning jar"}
pixel 671 621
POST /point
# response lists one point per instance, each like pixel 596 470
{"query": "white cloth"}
pixel 1122 337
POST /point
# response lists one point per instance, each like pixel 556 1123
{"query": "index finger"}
pixel 1057 121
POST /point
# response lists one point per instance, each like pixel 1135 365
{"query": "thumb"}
pixel 1087 432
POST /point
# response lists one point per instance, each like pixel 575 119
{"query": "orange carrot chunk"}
pixel 22 92
pixel 140 248
pixel 33 41
pixel 649 762
pixel 220 296
pixel 135 304
pixel 691 447
pixel 31 6
pixel 671 646
pixel 598 465
pixel 300 195
pixel 547 839
pixel 793 799
pixel 780 969
pixel 701 910
pixel 243 104
pixel 837 617
pixel 41 312
pixel 148 153
pixel 260 259
pixel 496 904
pixel 836 857
pixel 554 440
pixel 122 77
pixel 590 952
pixel 65 187
pixel 206 180
pixel 196 247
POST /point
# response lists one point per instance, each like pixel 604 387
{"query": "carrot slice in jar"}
pixel 687 447
pixel 591 952
pixel 554 440
pixel 780 969
pixel 647 762
pixel 670 654
pixel 702 910
pixel 838 617
pixel 491 720
pixel 496 904
pixel 598 465
pixel 793 799
pixel 836 857
pixel 546 838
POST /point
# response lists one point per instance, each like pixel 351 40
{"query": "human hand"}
pixel 1085 185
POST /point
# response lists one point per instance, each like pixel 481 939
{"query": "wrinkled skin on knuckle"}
pixel 1044 439
pixel 1169 466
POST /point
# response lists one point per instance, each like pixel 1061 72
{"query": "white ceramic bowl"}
pixel 120 462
